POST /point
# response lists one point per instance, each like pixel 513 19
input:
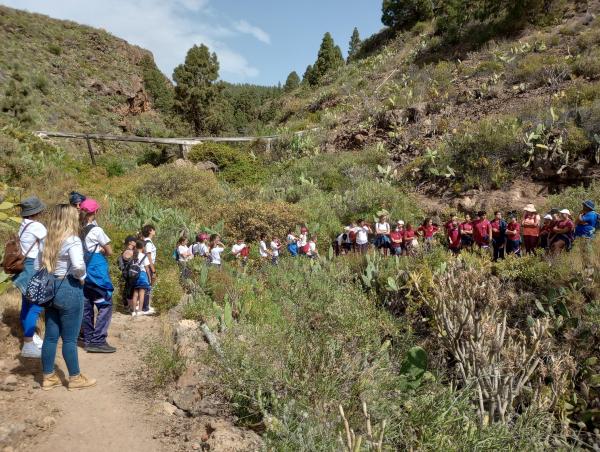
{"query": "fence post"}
pixel 90 150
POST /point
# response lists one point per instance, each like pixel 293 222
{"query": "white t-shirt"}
pixel 291 238
pixel 302 240
pixel 33 237
pixel 262 249
pixel 362 235
pixel 183 251
pixel 312 248
pixel 382 228
pixel 275 248
pixel 70 257
pixel 200 249
pixel 96 236
pixel 150 248
pixel 215 255
pixel 235 249
pixel 142 260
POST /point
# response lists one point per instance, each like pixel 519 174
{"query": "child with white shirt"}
pixel 275 247
pixel 263 250
pixel 240 250
pixel 142 283
pixel 216 249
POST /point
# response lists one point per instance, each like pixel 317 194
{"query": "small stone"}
pixel 180 413
pixel 2 364
pixel 10 380
pixel 169 408
pixel 8 449
pixel 48 421
pixel 7 388
pixel 196 446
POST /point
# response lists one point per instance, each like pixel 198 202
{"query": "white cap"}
pixel 346 228
pixel 547 217
pixel 566 211
pixel 401 222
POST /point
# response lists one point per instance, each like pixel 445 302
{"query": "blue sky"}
pixel 257 41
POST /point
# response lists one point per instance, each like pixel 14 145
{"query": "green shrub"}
pixel 163 364
pixel 167 292
pixel 576 143
pixel 537 69
pixel 55 49
pixel 590 118
pixel 588 64
pixel 114 168
pixel 235 166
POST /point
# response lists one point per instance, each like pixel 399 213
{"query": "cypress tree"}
pixel 309 74
pixel 329 58
pixel 291 82
pixel 354 45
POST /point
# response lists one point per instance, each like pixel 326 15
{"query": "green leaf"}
pixel 392 286
pixel 6 205
pixel 538 304
pixel 595 380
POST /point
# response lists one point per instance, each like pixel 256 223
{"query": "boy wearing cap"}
pixel 587 221
pixel 31 236
pixel 98 288
pixel 545 232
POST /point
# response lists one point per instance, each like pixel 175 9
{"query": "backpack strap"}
pixel 33 244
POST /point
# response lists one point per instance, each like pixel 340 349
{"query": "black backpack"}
pixel 133 269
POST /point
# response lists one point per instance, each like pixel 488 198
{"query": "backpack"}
pixel 245 251
pixel 176 255
pixel 352 235
pixel 134 269
pixel 41 289
pixel 14 259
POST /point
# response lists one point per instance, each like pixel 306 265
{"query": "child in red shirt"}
pixel 482 230
pixel 410 242
pixel 453 233
pixel 466 232
pixel 513 236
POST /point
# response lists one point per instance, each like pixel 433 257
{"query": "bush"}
pixel 236 166
pixel 167 292
pixel 163 364
pixel 588 64
pixel 535 70
pixel 590 118
pixel 54 49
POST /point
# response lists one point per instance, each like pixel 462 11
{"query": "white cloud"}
pixel 244 27
pixel 167 28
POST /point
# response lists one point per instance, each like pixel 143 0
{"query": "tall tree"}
pixel 329 58
pixel 403 14
pixel 354 45
pixel 291 82
pixel 197 95
pixel 309 75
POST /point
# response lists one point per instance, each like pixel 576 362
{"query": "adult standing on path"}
pixel 32 234
pixel 98 288
pixel 531 228
pixel 63 257
pixel 587 221
pixel 148 233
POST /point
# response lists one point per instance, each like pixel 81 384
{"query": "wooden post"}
pixel 268 145
pixel 181 151
pixel 90 150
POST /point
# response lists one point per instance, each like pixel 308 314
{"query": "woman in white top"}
pixel 63 257
pixel 262 247
pixel 31 235
pixel 382 234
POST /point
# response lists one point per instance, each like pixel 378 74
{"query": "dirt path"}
pixel 119 414
pixel 108 417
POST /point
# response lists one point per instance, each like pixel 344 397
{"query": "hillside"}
pixel 457 120
pixel 425 351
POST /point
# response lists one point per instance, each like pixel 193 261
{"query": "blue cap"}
pixel 76 198
pixel 589 204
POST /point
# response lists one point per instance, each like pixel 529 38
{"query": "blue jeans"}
pixel 63 320
pixel 29 312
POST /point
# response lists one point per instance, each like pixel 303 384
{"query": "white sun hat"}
pixel 530 208
pixel 565 211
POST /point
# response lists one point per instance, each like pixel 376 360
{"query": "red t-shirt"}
pixel 396 235
pixel 514 227
pixel 496 225
pixel 481 231
pixel 428 231
pixel 566 224
pixel 453 235
pixel 409 235
pixel 466 226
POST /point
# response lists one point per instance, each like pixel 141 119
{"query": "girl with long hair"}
pixel 63 256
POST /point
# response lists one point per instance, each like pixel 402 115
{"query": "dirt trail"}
pixel 119 414
pixel 108 417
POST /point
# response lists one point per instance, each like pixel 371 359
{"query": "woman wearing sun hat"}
pixel 587 221
pixel 531 228
pixel 562 233
pixel 32 234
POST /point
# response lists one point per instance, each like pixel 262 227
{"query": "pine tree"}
pixel 291 82
pixel 329 58
pixel 309 75
pixel 403 14
pixel 354 45
pixel 197 95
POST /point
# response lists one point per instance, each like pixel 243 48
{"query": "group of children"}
pixel 553 232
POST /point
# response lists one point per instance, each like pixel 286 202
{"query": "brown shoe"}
pixel 51 381
pixel 80 382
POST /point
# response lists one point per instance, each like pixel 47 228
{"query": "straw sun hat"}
pixel 530 208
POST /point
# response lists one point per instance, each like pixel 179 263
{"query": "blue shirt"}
pixel 587 230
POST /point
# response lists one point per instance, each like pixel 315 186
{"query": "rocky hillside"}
pixel 516 114
pixel 60 75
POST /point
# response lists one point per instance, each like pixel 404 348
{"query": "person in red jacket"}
pixel 410 241
pixel 482 230
pixel 513 236
pixel 427 230
pixel 397 239
pixel 453 234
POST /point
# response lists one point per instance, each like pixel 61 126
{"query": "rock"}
pixel 10 429
pixel 189 339
pixel 47 422
pixel 2 364
pixel 10 380
pixel 7 388
pixel 226 437
pixel 195 446
pixel 169 408
pixel 207 166
pixel 187 399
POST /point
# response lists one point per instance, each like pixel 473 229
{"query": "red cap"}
pixel 89 205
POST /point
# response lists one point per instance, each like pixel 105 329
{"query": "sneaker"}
pixel 104 348
pixel 81 382
pixel 134 313
pixel 38 341
pixel 50 382
pixel 30 350
pixel 150 311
